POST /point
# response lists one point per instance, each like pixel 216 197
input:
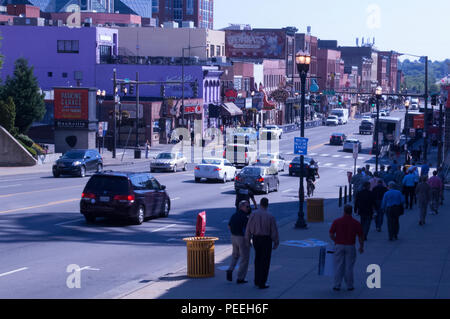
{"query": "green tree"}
pixel 24 90
pixel 8 112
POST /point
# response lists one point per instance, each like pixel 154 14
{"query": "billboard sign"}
pixel 71 104
pixel 255 44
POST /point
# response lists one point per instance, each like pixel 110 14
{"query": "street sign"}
pixel 355 151
pixel 301 146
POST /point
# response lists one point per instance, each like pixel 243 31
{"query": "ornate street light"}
pixel 303 60
pixel 406 129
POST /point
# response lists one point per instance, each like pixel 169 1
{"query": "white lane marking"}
pixel 342 165
pixel 287 190
pixel 176 198
pixel 13 271
pixel 324 155
pixel 313 154
pixel 165 227
pixel 361 158
pixel 11 185
pixel 348 156
pixel 328 164
pixel 228 186
pixel 336 156
pixel 70 221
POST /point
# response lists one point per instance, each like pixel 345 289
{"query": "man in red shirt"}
pixel 343 232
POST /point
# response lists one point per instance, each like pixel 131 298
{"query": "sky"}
pixel 408 26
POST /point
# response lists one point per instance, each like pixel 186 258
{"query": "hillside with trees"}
pixel 414 72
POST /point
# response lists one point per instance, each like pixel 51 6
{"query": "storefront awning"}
pixel 230 109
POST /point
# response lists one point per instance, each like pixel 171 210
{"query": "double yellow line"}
pixel 39 206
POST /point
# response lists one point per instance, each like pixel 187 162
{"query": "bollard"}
pixel 340 196
pixel 350 193
pixel 345 194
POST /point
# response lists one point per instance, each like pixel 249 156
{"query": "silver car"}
pixel 272 160
pixel 168 162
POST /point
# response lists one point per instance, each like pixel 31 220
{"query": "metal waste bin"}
pixel 137 153
pixel 200 256
pixel 314 208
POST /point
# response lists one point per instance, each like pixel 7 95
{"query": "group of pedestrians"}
pixel 372 195
pixel 258 228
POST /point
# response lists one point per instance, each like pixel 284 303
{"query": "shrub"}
pixel 30 150
pixel 25 140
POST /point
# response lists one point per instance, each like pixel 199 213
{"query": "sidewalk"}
pixel 122 158
pixel 415 266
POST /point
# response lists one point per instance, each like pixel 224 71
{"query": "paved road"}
pixel 42 231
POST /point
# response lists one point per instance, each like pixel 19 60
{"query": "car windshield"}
pixel 332 117
pixel 268 156
pixel 297 160
pixel 211 161
pixel 251 171
pixel 101 183
pixel 270 127
pixel 351 141
pixel 166 156
pixel 74 155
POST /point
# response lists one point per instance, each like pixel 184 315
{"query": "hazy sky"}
pixel 407 26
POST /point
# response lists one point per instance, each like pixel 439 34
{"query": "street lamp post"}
pixel 115 91
pixel 303 61
pixel 406 129
pixel 378 93
pixel 100 98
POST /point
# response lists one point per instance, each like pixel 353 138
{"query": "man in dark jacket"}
pixel 364 205
pixel 241 249
pixel 378 193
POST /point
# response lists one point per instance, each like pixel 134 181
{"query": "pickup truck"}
pixel 366 127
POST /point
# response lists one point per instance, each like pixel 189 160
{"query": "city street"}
pixel 42 231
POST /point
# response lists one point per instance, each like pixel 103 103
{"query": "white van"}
pixel 240 155
pixel 342 115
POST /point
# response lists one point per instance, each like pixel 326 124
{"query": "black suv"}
pixel 337 139
pixel 78 162
pixel 134 196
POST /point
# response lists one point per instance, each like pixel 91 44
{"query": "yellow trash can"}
pixel 200 256
pixel 314 208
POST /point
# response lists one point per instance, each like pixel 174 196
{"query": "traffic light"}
pixel 372 102
pixel 339 100
pixel 194 89
pixel 131 90
pixel 163 91
pixel 123 89
pixel 434 100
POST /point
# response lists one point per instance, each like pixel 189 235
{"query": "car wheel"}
pixel 56 173
pixel 89 218
pixel 184 167
pixel 140 215
pixel 175 169
pixel 277 187
pixel 99 168
pixel 224 180
pixel 166 209
pixel 197 180
pixel 152 170
pixel 82 171
pixel 290 174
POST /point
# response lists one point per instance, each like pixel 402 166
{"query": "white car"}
pixel 215 169
pixel 332 120
pixel 348 145
pixel 271 160
pixel 274 129
pixel 367 118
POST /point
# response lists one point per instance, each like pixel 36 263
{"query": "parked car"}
pixel 127 195
pixel 215 169
pixel 294 166
pixel 366 127
pixel 332 120
pixel 240 155
pixel 168 162
pixel 348 145
pixel 260 179
pixel 78 162
pixel 272 129
pixel 337 139
pixel 271 160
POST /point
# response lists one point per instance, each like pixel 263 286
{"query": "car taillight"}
pixel 224 153
pixel 273 162
pixel 217 169
pixel 197 168
pixel 87 195
pixel 125 198
pixel 246 155
pixel 261 179
pixel 290 165
pixel 237 178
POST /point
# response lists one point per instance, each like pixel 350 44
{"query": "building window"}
pixel 223 50
pixel 190 7
pixel 155 6
pixel 218 50
pixel 64 75
pixel 50 74
pixel 212 50
pixel 105 53
pixel 68 46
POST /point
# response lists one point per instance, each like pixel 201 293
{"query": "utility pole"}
pixel 114 114
pixel 425 142
pixel 137 110
pixel 441 133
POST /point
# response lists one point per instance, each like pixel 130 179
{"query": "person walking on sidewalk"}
pixel 392 204
pixel 378 193
pixel 423 193
pixel 436 189
pixel 409 188
pixel 343 233
pixel 364 205
pixel 425 169
pixel 147 148
pixel 241 248
pixel 262 229
pixel 245 194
